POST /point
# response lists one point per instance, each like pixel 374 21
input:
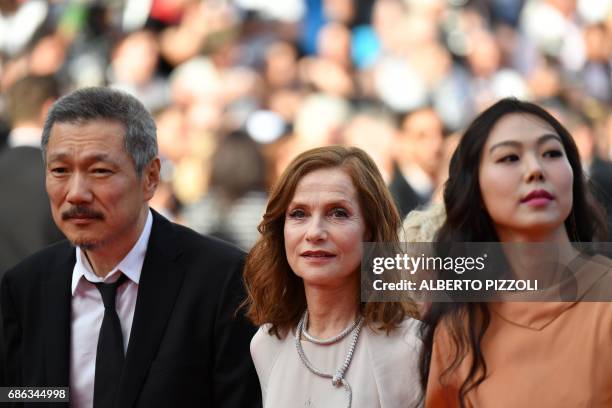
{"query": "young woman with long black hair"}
pixel 516 177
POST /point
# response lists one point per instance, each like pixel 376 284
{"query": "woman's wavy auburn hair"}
pixel 276 294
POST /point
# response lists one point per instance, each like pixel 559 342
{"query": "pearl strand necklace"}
pixel 338 378
pixel 331 340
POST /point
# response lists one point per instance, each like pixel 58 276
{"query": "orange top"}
pixel 538 354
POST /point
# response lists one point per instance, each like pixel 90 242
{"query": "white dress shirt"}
pixel 87 311
pixel 420 181
pixel 25 136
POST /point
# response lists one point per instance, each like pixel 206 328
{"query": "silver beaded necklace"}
pixel 338 377
pixel 331 340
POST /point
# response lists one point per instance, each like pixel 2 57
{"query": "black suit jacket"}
pixel 26 225
pixel 187 348
pixel 406 199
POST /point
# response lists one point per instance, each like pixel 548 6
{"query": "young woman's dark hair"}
pixel 467 220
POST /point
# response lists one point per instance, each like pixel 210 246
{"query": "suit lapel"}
pixel 157 291
pixel 56 317
pixel 404 195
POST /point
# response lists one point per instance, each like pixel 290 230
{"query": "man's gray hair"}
pixel 95 103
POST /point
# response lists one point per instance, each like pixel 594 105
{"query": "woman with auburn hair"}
pixel 318 344
pixel 516 178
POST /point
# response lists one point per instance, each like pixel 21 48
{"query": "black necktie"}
pixel 109 355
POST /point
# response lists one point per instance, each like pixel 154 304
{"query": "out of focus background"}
pixel 238 88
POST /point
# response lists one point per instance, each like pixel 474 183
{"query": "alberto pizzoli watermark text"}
pixel 450 285
pixel 485 272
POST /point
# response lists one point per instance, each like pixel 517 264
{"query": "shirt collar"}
pixel 131 265
pixel 420 181
pixel 25 136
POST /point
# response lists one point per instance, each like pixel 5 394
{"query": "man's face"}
pixel 423 134
pixel 96 196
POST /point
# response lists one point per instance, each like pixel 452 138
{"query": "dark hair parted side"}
pixel 275 294
pixel 468 221
pixel 96 103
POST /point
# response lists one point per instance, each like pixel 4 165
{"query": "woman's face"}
pixel 324 229
pixel 525 178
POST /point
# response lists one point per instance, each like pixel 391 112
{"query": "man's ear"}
pixel 150 178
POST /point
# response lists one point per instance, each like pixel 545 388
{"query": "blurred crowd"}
pixel 238 88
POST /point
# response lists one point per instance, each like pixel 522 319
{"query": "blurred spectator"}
pixel 19 20
pixel 25 216
pixel 330 70
pixel 545 81
pixel 490 80
pixel 48 55
pixel 596 70
pixel 417 156
pixel 334 44
pixel 374 131
pixel 450 145
pixel 597 169
pixel 134 69
pixel 606 138
pixel 281 68
pixel 195 80
pixel 172 134
pixel 201 24
pixel 234 204
pixel 319 121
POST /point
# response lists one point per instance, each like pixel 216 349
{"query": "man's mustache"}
pixel 81 212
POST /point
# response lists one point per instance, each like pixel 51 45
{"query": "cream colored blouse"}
pixel 383 372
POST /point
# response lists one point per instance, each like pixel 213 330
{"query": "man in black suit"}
pixel 26 225
pixel 417 159
pixel 132 310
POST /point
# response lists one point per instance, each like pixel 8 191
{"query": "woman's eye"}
pixel 509 158
pixel 553 153
pixel 339 213
pixel 297 213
